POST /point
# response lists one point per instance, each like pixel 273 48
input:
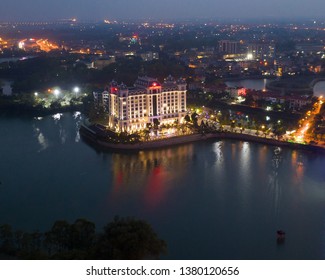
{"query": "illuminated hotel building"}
pixel 131 108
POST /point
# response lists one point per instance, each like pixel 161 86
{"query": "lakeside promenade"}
pixel 96 140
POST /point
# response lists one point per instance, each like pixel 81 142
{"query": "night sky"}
pixel 11 10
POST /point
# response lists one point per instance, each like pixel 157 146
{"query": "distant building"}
pixel 261 50
pixel 310 48
pixel 103 62
pixel 87 62
pixel 298 102
pixel 295 102
pixel 131 108
pixel 234 92
pixel 228 47
pixel 149 56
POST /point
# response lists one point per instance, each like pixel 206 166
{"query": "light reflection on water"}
pixel 57 116
pixel 152 169
pixel 43 142
pixel 274 187
pixel 78 119
pixel 245 163
pixel 208 200
pixel 219 161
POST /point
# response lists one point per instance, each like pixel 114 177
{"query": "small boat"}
pixel 280 236
pixel 281 233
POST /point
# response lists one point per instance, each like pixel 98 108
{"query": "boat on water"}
pixel 280 236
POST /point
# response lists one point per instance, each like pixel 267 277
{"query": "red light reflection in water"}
pixel 155 188
pixel 118 182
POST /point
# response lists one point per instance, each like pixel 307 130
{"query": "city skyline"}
pixel 36 10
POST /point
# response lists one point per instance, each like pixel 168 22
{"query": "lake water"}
pixel 14 59
pixel 208 200
pixel 6 87
pixel 257 84
pixel 260 84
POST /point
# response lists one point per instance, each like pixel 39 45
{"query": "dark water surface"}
pixel 208 200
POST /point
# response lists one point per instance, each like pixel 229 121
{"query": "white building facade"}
pixel 131 109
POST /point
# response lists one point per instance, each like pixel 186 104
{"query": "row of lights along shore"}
pixel 57 92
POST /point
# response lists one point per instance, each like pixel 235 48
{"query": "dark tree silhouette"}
pixel 187 118
pixel 129 238
pixel 126 238
pixel 156 123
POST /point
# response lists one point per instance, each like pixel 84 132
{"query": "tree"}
pixel 122 239
pixel 278 130
pixel 232 125
pixel 129 238
pixel 156 123
pixel 149 125
pixel 58 237
pixel 187 118
pixel 82 234
pixel 194 119
pixel 6 238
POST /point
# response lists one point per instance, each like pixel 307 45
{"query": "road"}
pixel 301 135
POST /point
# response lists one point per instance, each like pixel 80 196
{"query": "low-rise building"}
pixel 101 63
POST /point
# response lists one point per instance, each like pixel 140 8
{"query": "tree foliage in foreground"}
pixel 123 238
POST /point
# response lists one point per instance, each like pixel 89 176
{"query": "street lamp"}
pixel 76 90
pixel 56 92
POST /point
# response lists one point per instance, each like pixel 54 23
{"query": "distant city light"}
pixel 249 56
pixel 76 89
pixel 36 94
pixel 21 44
pixel 56 92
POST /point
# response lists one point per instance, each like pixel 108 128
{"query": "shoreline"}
pixel 93 139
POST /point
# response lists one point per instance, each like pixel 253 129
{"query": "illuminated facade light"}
pixel 250 56
pixel 131 109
